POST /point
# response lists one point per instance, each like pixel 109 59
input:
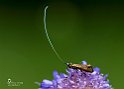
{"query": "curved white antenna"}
pixel 47 35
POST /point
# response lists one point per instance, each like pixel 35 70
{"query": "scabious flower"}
pixel 76 79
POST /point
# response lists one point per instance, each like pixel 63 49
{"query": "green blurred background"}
pixel 91 30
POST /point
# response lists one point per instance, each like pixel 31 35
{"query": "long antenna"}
pixel 47 35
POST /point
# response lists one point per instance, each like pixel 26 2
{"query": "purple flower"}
pixel 77 79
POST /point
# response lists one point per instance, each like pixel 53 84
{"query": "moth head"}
pixel 69 65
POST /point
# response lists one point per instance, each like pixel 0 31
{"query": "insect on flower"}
pixel 82 67
pixel 79 76
pixel 87 67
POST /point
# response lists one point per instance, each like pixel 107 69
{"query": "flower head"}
pixel 77 79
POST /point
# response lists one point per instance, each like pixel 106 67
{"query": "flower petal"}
pixel 62 75
pixel 46 83
pixel 96 69
pixel 84 62
pixel 56 75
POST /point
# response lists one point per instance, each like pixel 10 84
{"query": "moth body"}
pixel 82 67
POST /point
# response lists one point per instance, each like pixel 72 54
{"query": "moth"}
pixel 82 67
